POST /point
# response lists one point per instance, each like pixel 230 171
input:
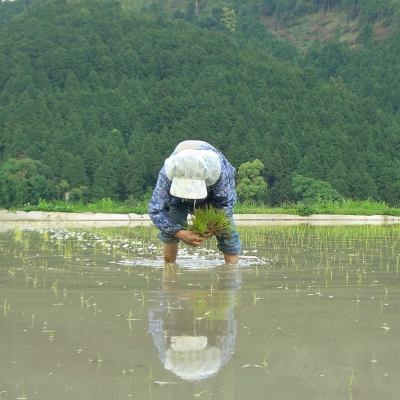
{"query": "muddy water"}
pixel 310 313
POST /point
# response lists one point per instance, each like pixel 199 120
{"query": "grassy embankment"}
pixel 343 207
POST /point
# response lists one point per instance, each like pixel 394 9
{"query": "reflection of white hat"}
pixel 191 171
pixel 191 359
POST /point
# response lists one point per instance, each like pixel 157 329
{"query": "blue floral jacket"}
pixel 221 195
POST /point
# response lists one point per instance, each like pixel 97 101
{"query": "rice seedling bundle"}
pixel 209 220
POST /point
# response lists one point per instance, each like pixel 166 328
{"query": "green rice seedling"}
pixel 98 361
pixel 374 361
pixel 54 286
pixel 255 298
pixel 131 369
pixel 6 306
pixel 82 299
pixel 265 359
pixel 209 220
pixel 359 275
pixel 49 331
pixel 129 319
pixel 350 388
pixel 143 299
pixel 18 235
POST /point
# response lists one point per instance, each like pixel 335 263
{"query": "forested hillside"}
pixel 95 95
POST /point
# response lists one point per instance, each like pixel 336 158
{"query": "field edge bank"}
pixel 240 219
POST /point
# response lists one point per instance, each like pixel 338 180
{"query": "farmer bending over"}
pixel 196 174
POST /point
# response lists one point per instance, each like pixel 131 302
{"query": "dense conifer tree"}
pixel 101 96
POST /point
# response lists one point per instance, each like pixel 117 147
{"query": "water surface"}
pixel 309 313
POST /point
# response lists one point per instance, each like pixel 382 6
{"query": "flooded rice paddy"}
pixel 309 313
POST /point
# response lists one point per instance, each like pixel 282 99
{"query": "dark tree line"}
pixel 99 96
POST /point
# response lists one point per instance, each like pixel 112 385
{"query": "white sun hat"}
pixel 191 171
pixel 191 359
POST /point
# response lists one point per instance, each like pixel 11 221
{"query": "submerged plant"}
pixel 209 220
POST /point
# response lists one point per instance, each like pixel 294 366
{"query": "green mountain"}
pixel 97 94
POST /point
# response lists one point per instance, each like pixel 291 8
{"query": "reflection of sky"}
pixel 195 330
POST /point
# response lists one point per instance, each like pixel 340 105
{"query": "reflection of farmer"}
pixel 195 331
pixel 195 174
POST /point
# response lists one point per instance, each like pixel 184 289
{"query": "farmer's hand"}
pixel 208 234
pixel 190 238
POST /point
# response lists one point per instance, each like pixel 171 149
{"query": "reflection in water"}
pixel 318 308
pixel 195 330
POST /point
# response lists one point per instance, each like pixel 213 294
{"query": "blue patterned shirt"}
pixel 221 195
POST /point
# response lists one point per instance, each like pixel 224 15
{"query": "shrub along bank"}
pixel 339 207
